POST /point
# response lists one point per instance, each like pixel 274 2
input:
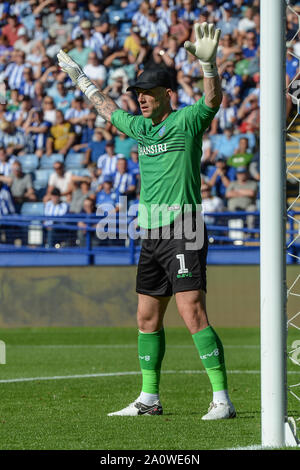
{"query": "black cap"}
pixel 151 79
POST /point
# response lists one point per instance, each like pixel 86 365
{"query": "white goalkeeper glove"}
pixel 205 47
pixel 76 74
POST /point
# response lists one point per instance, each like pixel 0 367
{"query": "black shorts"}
pixel 166 266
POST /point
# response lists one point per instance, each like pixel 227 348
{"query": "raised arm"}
pixel 103 104
pixel 205 49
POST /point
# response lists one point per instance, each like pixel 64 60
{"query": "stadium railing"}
pixel 27 240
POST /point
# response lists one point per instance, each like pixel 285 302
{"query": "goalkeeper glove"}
pixel 205 47
pixel 76 74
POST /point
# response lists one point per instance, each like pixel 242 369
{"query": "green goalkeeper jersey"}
pixel 169 158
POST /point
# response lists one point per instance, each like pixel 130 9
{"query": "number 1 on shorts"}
pixel 183 269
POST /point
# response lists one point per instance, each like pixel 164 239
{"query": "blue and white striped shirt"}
pixel 123 181
pixel 6 202
pixel 17 138
pixel 56 210
pixel 27 89
pixel 14 73
pixel 107 164
pixel 75 113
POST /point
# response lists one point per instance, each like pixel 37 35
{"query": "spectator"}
pixel 241 194
pixel 220 176
pixel 27 87
pixel 249 115
pixel 107 200
pixel 5 162
pixel 80 53
pixel 77 114
pixel 179 28
pixel 247 23
pixel 133 162
pixel 96 146
pixel 7 232
pixel 48 8
pixel 226 143
pixel 229 23
pixel 242 156
pixel 14 71
pixel 188 12
pixel 231 82
pixel 292 62
pixel 81 191
pixel 61 180
pixel 49 73
pixel 227 115
pixel 154 29
pixel 250 49
pixel 124 182
pixel 89 209
pixel 61 136
pixel 133 42
pixel 10 30
pixel 210 203
pixel 89 40
pixel 54 207
pixel 49 109
pixel 96 12
pixel 107 163
pixel 164 12
pixel 60 30
pixel 20 186
pixel 39 95
pixel 39 33
pixel 6 202
pixel 22 114
pixel 72 15
pixel 95 71
pixel 227 50
pixel 61 96
pixel 10 135
pixel 123 144
pixel 87 133
pixel 24 43
pixel 37 128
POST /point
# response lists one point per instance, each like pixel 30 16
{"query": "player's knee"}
pixel 148 323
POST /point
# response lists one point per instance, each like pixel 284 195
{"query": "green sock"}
pixel 151 350
pixel 211 352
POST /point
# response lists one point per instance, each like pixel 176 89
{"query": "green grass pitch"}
pixel 81 374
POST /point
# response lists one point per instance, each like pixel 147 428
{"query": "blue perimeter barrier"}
pixel 59 241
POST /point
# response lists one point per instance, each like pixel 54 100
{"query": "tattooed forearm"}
pixel 213 92
pixel 104 105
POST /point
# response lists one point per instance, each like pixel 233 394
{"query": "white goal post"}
pixel 275 429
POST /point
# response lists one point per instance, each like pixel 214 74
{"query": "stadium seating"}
pixel 48 161
pixel 81 172
pixel 116 15
pixel 74 160
pixel 29 162
pixel 32 208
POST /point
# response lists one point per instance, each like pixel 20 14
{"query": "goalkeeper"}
pixel 170 144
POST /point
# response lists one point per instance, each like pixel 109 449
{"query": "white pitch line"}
pixel 119 346
pixel 116 374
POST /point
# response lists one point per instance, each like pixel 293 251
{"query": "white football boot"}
pixel 137 408
pixel 218 410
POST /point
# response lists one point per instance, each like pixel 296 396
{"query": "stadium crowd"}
pixel 55 149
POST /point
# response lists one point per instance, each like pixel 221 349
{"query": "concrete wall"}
pixel 105 296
